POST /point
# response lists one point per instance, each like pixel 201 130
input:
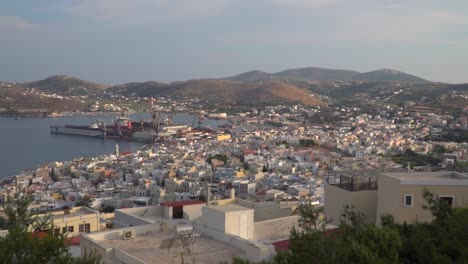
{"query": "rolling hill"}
pixel 16 98
pixel 224 91
pixel 136 88
pixel 322 74
pixel 66 85
pixel 251 76
pixel 388 75
pixel 315 74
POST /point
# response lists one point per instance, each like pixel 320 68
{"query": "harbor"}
pixel 28 143
pixel 159 126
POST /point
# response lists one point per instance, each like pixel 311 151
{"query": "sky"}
pixel 118 41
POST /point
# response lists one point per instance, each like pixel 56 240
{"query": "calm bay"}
pixel 28 143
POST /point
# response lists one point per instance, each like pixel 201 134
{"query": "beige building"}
pixel 398 194
pixel 76 221
pixel 220 231
pixel 360 192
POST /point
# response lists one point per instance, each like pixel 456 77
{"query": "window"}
pixel 447 199
pixel 408 200
pixel 71 229
pixel 85 228
pixel 64 230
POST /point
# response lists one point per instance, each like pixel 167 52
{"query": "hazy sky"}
pixel 115 41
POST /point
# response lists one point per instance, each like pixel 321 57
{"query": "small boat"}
pixel 18 118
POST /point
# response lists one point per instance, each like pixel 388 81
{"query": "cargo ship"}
pixel 78 130
pixel 125 129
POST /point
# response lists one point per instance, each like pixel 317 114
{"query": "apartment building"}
pixel 398 194
pixel 76 221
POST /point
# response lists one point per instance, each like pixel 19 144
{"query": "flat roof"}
pixel 430 178
pixel 182 203
pixel 146 248
pixel 230 208
pixel 76 211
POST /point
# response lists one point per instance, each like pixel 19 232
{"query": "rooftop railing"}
pixel 353 183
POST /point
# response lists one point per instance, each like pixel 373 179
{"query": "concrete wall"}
pixel 391 199
pixel 254 251
pixel 91 246
pixel 213 218
pixel 91 242
pixel 223 201
pixel 270 210
pixel 240 223
pixel 124 257
pixel 192 212
pixel 132 216
pixel 275 229
pixel 363 201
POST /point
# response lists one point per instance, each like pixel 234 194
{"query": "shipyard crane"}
pixel 199 119
pixel 170 117
pixel 154 115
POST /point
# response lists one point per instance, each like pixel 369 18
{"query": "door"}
pixel 177 212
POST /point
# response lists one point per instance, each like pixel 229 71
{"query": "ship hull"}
pixel 79 131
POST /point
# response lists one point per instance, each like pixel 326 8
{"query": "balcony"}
pixel 355 183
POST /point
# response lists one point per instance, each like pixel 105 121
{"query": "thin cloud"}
pixel 302 3
pixel 15 23
pixel 372 25
pixel 145 11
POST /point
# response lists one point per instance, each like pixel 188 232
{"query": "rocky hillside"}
pixel 387 75
pixel 66 85
pixel 322 74
pixel 223 91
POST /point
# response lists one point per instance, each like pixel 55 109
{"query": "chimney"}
pixel 233 193
pixel 208 194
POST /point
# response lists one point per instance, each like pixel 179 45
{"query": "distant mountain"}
pixel 302 74
pixel 224 91
pixel 251 76
pixel 315 74
pixel 322 74
pixel 16 97
pixel 66 85
pixel 388 75
pixel 136 88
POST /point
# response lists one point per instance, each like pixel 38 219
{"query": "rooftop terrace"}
pixel 430 178
pixel 356 183
pixel 146 247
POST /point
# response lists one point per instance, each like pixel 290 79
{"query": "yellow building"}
pixel 222 137
pixel 398 194
pixel 240 173
pixel 75 221
pixel 56 196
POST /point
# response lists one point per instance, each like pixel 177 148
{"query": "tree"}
pixel 312 218
pixel 444 240
pixel 3 223
pixel 31 238
pixel 439 149
pixel 85 201
pixel 440 209
pixel 353 242
pixel 108 209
